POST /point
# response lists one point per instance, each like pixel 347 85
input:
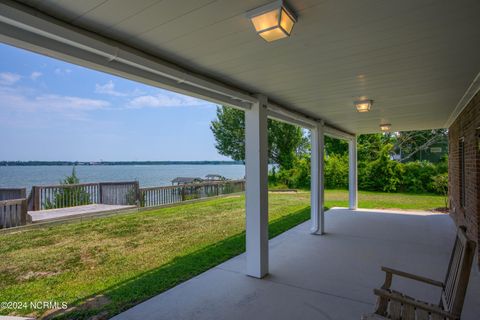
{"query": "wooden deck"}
pixel 78 211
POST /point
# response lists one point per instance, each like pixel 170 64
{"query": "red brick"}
pixel 467 125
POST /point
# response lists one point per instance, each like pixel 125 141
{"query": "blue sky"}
pixel 52 110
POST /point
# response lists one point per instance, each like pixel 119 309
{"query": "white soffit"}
pixel 414 58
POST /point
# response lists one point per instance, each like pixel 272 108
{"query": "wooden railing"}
pixel 119 193
pixel 125 193
pixel 62 196
pixel 157 196
pixel 12 193
pixel 13 213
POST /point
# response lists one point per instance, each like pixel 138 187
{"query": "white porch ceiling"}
pixel 414 58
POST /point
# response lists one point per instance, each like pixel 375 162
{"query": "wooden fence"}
pixel 125 193
pixel 12 193
pixel 13 213
pixel 119 193
pixel 157 196
pixel 62 196
pixel 14 206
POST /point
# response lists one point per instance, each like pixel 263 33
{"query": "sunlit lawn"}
pixel 106 265
pixel 381 200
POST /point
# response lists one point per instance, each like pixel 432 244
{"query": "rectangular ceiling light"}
pixel 272 21
pixel 363 105
pixel 385 127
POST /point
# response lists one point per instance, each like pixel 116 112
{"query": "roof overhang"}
pixel 415 59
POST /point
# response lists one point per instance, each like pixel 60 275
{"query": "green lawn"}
pixel 381 200
pixel 106 265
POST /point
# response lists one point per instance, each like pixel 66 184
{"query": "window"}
pixel 478 141
pixel 461 155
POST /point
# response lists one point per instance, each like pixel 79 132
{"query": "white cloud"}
pixel 35 75
pixel 163 100
pixel 56 102
pixel 7 78
pixel 19 100
pixel 137 92
pixel 62 72
pixel 109 88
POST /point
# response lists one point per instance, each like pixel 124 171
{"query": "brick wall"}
pixel 466 126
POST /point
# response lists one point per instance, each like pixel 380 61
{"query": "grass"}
pixel 106 265
pixel 381 200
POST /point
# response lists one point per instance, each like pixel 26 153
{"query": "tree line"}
pixel 389 162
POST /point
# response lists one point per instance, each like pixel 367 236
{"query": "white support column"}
pixel 317 180
pixel 256 167
pixel 352 174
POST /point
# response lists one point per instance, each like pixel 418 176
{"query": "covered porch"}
pixel 415 60
pixel 328 277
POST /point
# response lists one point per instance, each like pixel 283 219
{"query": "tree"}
pixel 229 132
pixel 335 146
pixel 285 141
pixel 370 146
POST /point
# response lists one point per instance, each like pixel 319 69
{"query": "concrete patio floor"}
pixel 322 277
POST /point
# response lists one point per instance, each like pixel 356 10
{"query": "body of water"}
pixel 147 175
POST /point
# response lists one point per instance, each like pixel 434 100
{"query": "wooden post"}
pixel 24 212
pixel 36 198
pixel 100 193
pixel 137 193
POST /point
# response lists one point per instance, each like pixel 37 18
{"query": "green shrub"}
pixel 442 166
pixel 440 185
pixel 68 196
pixel 297 177
pixel 336 171
pixel 382 174
pixel 417 177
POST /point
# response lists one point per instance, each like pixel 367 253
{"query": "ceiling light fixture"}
pixel 363 105
pixel 385 127
pixel 272 21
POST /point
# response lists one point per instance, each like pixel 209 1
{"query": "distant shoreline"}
pixel 113 163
